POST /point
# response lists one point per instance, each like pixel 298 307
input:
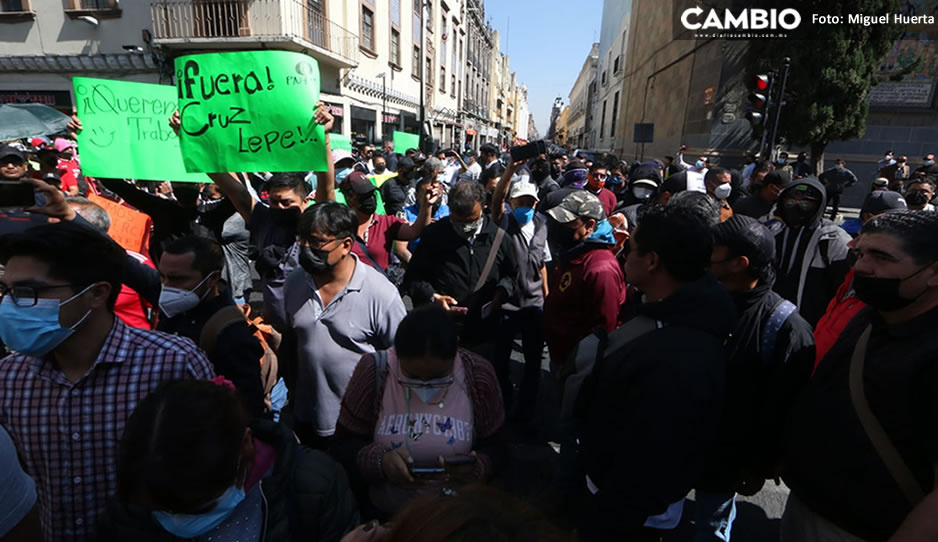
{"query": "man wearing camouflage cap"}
pixel 587 288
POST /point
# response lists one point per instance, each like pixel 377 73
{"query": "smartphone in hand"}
pixel 16 195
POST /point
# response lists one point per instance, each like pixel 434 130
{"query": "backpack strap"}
pixel 490 261
pixel 884 447
pixel 381 370
pixel 367 254
pixel 225 317
pixel 777 318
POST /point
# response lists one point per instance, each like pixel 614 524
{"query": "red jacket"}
pixel 840 311
pixel 130 306
pixel 585 293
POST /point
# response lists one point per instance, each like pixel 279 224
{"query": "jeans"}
pixel 715 514
pixel 529 322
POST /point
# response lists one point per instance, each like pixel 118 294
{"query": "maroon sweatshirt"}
pixel 585 293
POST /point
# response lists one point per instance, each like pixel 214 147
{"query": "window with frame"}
pixel 443 79
pixel 453 87
pixel 368 29
pixel 396 12
pixel 429 73
pixel 604 77
pixel 615 65
pixel 14 6
pixel 395 48
pixel 90 4
pixel 615 113
pixel 602 121
pixel 415 69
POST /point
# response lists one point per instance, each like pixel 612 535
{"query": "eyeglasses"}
pixel 437 384
pixel 319 243
pixel 803 204
pixel 27 296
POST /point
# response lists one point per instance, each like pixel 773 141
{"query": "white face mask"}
pixel 642 192
pixel 175 301
pixel 723 191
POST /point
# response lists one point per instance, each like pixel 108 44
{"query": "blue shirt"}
pixel 411 214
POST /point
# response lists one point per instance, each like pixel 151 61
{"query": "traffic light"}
pixel 759 102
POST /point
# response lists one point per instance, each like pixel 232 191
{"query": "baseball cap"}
pixel 805 190
pixel 521 189
pixel 7 150
pixel 646 172
pixel 578 204
pixel 341 154
pixel 405 163
pixel 881 181
pixel 357 183
pixel 747 237
pixel 883 201
pixel 675 183
pixel 61 144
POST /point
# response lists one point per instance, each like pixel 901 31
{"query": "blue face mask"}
pixel 195 525
pixel 699 164
pixel 782 160
pixel 341 175
pixel 35 331
pixel 523 215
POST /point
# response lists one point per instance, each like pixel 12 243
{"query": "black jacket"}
pixel 237 351
pixel 170 219
pixel 394 194
pixel 650 413
pixel 759 393
pixel 753 206
pixel 811 261
pixel 307 498
pixel 447 264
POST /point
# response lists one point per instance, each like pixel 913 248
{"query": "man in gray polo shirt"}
pixel 337 309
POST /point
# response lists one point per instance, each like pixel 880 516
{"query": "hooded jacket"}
pixel 760 389
pixel 650 411
pixel 306 497
pixel 812 260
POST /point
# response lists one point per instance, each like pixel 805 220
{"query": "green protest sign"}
pixel 250 111
pixel 125 131
pixel 404 141
pixel 339 141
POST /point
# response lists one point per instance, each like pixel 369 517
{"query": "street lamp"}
pixel 384 101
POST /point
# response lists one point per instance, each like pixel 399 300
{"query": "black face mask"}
pixel 916 198
pixel 883 293
pixel 51 162
pixel 380 169
pixel 368 204
pixel 554 172
pixel 285 218
pixel 539 174
pixel 794 216
pixel 403 176
pixel 315 261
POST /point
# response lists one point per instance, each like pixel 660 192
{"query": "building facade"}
pixel 581 102
pixel 613 38
pixel 372 55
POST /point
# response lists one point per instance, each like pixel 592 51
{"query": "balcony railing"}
pixel 210 19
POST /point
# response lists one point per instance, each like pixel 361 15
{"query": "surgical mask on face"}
pixel 642 192
pixel 341 174
pixel 368 204
pixel 315 261
pixel 839 167
pixel 782 161
pixel 466 230
pixel 190 526
pixel 285 218
pixel 175 301
pixel 883 293
pixel 523 215
pixel 699 164
pixel 380 169
pixel 928 162
pixel 723 191
pixel 36 331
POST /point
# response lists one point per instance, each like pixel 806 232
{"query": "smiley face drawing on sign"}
pixel 102 137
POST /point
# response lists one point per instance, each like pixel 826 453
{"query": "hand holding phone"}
pixel 459 466
pixel 16 195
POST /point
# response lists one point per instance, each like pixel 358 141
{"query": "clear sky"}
pixel 547 42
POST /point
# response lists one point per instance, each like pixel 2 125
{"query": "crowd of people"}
pixel 708 329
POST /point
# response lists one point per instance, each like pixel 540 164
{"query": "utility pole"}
pixel 423 52
pixel 778 108
pixel 384 102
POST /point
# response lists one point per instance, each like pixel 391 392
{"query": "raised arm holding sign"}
pixel 250 111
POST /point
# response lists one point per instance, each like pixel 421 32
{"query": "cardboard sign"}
pixel 131 229
pixel 339 141
pixel 404 141
pixel 250 111
pixel 125 131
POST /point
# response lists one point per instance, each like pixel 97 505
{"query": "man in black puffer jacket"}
pixel 173 475
pixel 651 408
